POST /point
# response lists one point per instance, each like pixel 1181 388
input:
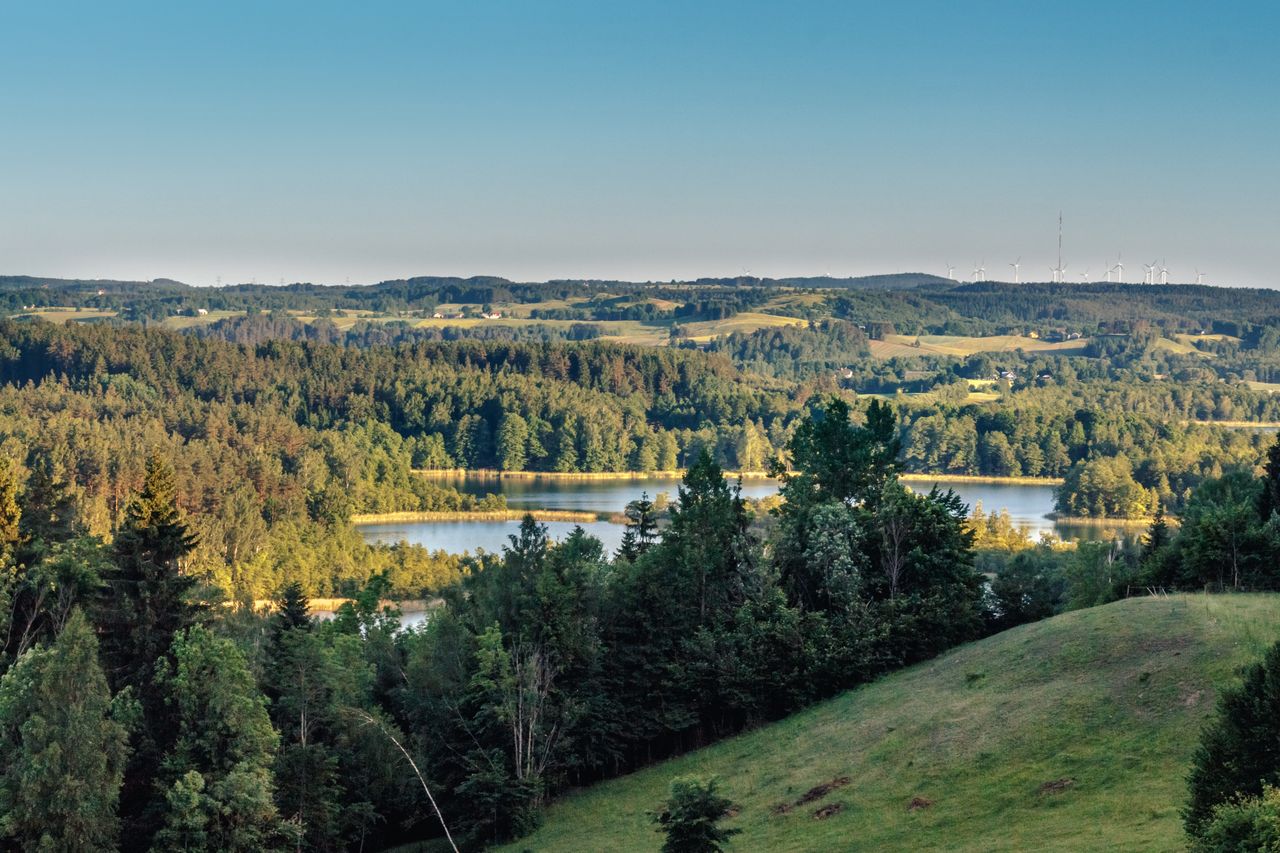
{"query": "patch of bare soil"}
pixel 828 810
pixel 1057 786
pixel 733 811
pixel 819 791
pixel 781 808
pixel 918 803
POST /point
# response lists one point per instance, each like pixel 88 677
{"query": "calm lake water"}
pixel 1027 505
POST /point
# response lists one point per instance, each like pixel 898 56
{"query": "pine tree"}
pixel 64 747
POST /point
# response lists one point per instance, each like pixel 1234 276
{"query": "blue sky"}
pixel 330 141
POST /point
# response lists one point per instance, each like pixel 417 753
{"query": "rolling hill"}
pixel 1070 734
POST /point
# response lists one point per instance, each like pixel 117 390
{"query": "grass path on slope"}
pixel 1110 699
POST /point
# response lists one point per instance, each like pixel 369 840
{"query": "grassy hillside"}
pixel 959 346
pixel 1070 734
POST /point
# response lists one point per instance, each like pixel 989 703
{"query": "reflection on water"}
pixel 1027 505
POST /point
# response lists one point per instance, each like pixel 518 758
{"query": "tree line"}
pixel 186 725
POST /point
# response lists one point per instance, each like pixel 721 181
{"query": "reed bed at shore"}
pixel 331 605
pixel 570 476
pixel 480 515
pixel 587 476
pixel 1096 521
pixel 978 479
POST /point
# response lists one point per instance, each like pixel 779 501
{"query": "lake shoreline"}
pixel 360 519
pixel 1099 521
pixel 586 476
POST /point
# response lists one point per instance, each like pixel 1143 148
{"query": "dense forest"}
pixel 199 726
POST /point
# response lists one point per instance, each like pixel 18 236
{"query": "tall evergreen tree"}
pixel 641 528
pixel 217 773
pixel 64 747
pixel 1239 752
pixel 148 598
pixel 145 603
pixel 1269 499
pixel 691 816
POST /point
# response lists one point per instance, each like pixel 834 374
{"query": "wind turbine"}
pixel 951 272
pixel 1109 271
pixel 1164 273
pixel 1015 266
pixel 1084 277
pixel 1059 272
pixel 980 272
pixel 1149 277
pixel 1119 268
pixel 1199 276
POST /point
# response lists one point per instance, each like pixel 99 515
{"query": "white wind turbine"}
pixel 1108 270
pixel 1149 277
pixel 951 272
pixel 1199 276
pixel 1084 277
pixel 1059 273
pixel 1016 264
pixel 1119 268
pixel 980 272
pixel 1164 273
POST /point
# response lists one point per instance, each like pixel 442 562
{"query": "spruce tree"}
pixel 1269 500
pixel 690 818
pixel 1239 752
pixel 143 605
pixel 64 747
pixel 147 598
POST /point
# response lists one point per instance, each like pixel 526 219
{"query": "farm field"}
pixel 1182 346
pixel 67 315
pixel 747 321
pixel 1070 734
pixel 961 346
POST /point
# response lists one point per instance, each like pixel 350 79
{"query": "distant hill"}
pixel 895 281
pixel 1070 734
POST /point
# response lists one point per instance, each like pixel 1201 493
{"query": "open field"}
pixel 1181 347
pixel 184 322
pixel 1070 734
pixel 747 321
pixel 962 346
pixel 1191 339
pixel 1237 424
pixel 68 315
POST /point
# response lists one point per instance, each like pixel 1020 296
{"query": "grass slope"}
pixel 1107 703
pixel 959 347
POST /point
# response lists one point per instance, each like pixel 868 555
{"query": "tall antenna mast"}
pixel 1059 239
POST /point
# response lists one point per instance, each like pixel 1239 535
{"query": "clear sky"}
pixel 318 141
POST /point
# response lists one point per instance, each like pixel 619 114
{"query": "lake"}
pixel 1027 505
